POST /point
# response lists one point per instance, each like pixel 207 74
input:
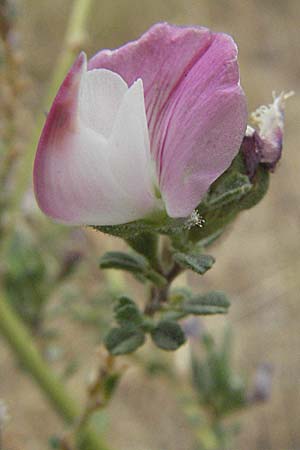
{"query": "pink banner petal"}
pixel 196 109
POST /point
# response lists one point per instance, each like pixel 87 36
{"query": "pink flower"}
pixel 146 127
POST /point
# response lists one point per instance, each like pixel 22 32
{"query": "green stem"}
pixel 22 344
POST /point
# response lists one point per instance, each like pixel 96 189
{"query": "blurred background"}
pixel 258 264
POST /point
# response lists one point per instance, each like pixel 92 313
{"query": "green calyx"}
pixel 230 194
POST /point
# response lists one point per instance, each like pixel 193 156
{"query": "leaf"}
pixel 197 263
pixel 260 185
pixel 168 335
pixel 201 378
pixel 135 264
pixel 228 189
pixel 123 261
pixel 155 277
pixel 127 313
pixel 157 223
pixel 145 244
pixel 173 315
pixel 227 197
pixel 123 340
pixel 213 302
pixel 179 294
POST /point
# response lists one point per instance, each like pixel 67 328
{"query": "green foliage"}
pixel 25 280
pixel 145 244
pixel 160 223
pixel 123 261
pixel 127 313
pixel 217 385
pixel 134 263
pixel 110 384
pixel 121 341
pixel 213 302
pixel 133 327
pixel 228 189
pixel 198 263
pixel 219 390
pixel 228 196
pixel 129 335
pixel 183 303
pixel 168 335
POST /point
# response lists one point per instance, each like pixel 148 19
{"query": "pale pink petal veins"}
pixel 196 110
pixel 161 58
pixel 77 178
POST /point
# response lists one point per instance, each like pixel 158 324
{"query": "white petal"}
pixel 129 152
pixel 80 176
pixel 100 97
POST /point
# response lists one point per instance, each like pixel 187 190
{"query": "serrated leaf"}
pixel 198 263
pixel 123 340
pixel 214 302
pixel 168 335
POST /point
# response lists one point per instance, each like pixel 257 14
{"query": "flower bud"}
pixel 264 145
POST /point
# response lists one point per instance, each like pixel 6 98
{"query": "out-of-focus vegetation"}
pixel 50 273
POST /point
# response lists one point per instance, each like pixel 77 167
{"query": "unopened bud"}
pixel 264 144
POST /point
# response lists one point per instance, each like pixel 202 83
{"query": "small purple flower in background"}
pixel 262 384
pixel 4 417
pixel 147 127
pixel 265 144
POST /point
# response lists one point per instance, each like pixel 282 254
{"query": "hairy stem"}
pixel 159 295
